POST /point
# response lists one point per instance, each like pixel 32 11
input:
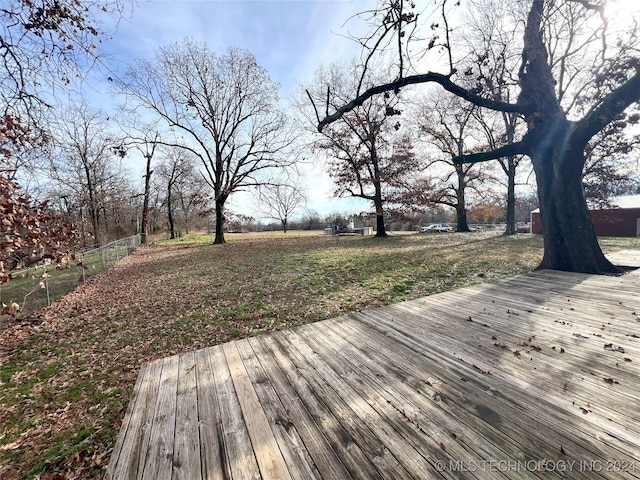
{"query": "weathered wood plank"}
pixel 586 350
pixel 233 437
pixel 212 460
pixel 467 403
pixel 419 389
pixel 515 386
pixel 504 418
pixel 186 458
pixel 159 462
pixel 314 441
pixel 265 447
pixel 130 450
pixel 296 456
pixel 420 433
pixel 536 370
pixel 377 441
pixel 303 378
pixel 583 348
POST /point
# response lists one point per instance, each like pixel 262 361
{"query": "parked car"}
pixel 436 227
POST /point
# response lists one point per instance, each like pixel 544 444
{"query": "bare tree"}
pixel 226 109
pixel 175 164
pixel 574 80
pixel 448 124
pixel 279 199
pixel 145 138
pixel 192 196
pixel 492 68
pixel 612 163
pixel 86 164
pixel 369 157
pixel 45 46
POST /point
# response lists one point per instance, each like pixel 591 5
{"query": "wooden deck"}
pixel 535 376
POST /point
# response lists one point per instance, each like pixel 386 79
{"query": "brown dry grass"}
pixel 67 374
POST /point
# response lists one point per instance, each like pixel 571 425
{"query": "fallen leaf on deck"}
pixel 609 346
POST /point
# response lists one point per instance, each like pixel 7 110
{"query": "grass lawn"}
pixel 67 374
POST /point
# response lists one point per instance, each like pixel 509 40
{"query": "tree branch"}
pixel 611 107
pixel 519 148
pixel 442 80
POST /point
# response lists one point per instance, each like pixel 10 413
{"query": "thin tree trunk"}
pixel 172 231
pixel 511 198
pixel 144 230
pixel 93 207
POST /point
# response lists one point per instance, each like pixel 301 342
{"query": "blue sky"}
pixel 290 38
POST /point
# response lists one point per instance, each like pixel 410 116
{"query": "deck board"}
pixel 497 380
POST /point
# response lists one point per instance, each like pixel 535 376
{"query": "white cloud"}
pixel 290 38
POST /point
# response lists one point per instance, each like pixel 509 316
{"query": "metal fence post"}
pixel 46 286
pixel 84 268
pixel 59 278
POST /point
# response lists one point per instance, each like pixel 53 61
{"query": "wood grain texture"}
pixel 533 376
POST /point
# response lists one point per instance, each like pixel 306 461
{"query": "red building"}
pixel 622 220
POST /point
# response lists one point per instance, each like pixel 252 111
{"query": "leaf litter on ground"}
pixel 67 373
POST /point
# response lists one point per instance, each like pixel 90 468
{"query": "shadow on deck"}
pixel 531 376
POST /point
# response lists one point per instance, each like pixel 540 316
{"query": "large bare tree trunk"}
pixel 381 230
pixel 219 238
pixel 569 236
pixel 461 207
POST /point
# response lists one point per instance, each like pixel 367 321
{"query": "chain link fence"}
pixel 36 287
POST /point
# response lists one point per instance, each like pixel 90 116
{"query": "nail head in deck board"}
pixel 335 380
